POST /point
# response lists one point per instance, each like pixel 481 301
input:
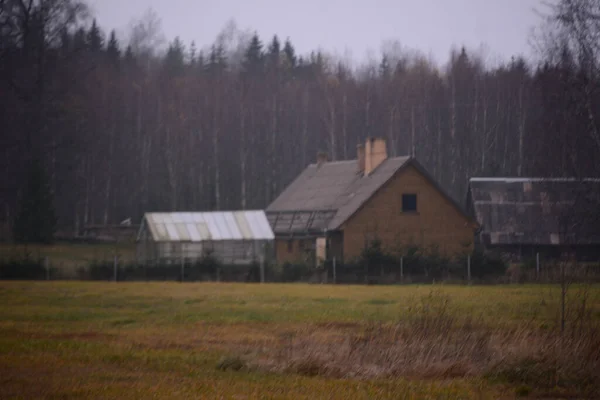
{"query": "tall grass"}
pixel 437 342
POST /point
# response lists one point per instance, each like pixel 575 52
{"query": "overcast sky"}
pixel 354 27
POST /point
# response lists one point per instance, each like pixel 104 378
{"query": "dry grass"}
pixel 437 344
pixel 171 340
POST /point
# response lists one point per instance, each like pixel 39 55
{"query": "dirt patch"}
pixel 91 335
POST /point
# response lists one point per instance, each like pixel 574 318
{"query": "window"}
pixel 290 246
pixel 409 203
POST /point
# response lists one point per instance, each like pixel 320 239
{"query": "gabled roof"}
pixel 336 187
pixel 536 211
pixel 208 226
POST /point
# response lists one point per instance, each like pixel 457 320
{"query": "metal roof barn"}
pixel 234 237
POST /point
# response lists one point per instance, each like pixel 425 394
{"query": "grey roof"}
pixel 208 226
pixel 336 189
pixel 536 211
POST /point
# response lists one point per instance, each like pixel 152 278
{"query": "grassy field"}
pixel 210 340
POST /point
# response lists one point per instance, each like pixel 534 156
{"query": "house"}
pixel 335 209
pixel 234 237
pixel 521 217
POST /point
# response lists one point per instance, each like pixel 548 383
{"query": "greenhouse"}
pixel 233 237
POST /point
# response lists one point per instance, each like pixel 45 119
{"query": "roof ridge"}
pixel 355 160
pixel 531 179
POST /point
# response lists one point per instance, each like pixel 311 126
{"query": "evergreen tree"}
pixel 129 58
pixel 112 49
pixel 36 219
pixel 193 53
pixel 254 58
pixel 274 52
pixel 200 61
pixel 94 38
pixel 216 61
pixel 384 68
pixel 65 41
pixel 290 54
pixel 79 40
pixel 175 58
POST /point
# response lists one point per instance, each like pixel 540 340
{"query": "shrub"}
pixel 101 271
pixel 208 265
pixel 375 259
pixel 25 268
pixel 294 272
pixel 484 265
pixel 435 265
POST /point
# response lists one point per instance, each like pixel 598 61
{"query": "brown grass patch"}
pixel 434 344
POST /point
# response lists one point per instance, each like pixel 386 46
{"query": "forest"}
pixel 123 126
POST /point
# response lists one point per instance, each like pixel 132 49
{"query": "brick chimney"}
pixel 360 157
pixel 375 153
pixel 321 158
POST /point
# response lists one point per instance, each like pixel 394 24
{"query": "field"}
pixel 210 340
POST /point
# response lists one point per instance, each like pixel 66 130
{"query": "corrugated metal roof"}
pixel 536 211
pixel 208 226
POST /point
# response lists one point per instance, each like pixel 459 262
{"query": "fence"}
pixel 116 263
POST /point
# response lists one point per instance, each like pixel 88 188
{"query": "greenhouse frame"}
pixel 232 237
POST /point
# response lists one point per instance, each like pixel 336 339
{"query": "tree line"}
pixel 122 129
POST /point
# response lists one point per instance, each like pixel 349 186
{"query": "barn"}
pixel 521 217
pixel 233 237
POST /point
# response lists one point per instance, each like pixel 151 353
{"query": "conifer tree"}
pixel 193 53
pixel 200 61
pixel 254 57
pixel 175 58
pixel 216 61
pixel 290 53
pixel 80 40
pixel 112 49
pixel 384 68
pixel 274 52
pixel 94 38
pixel 36 218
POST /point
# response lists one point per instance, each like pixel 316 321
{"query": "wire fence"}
pixel 119 264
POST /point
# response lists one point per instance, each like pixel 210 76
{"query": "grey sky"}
pixel 342 26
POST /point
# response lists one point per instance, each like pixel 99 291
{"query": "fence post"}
pixel 182 269
pixel 46 264
pixel 262 268
pixel 334 273
pixel 115 266
pixel 537 265
pixel 469 268
pixel 401 268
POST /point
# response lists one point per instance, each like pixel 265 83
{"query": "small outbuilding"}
pixel 521 217
pixel 233 237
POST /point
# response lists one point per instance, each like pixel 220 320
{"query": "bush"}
pixel 435 265
pixel 484 265
pixel 208 265
pixel 101 271
pixel 25 268
pixel 376 260
pixel 295 272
